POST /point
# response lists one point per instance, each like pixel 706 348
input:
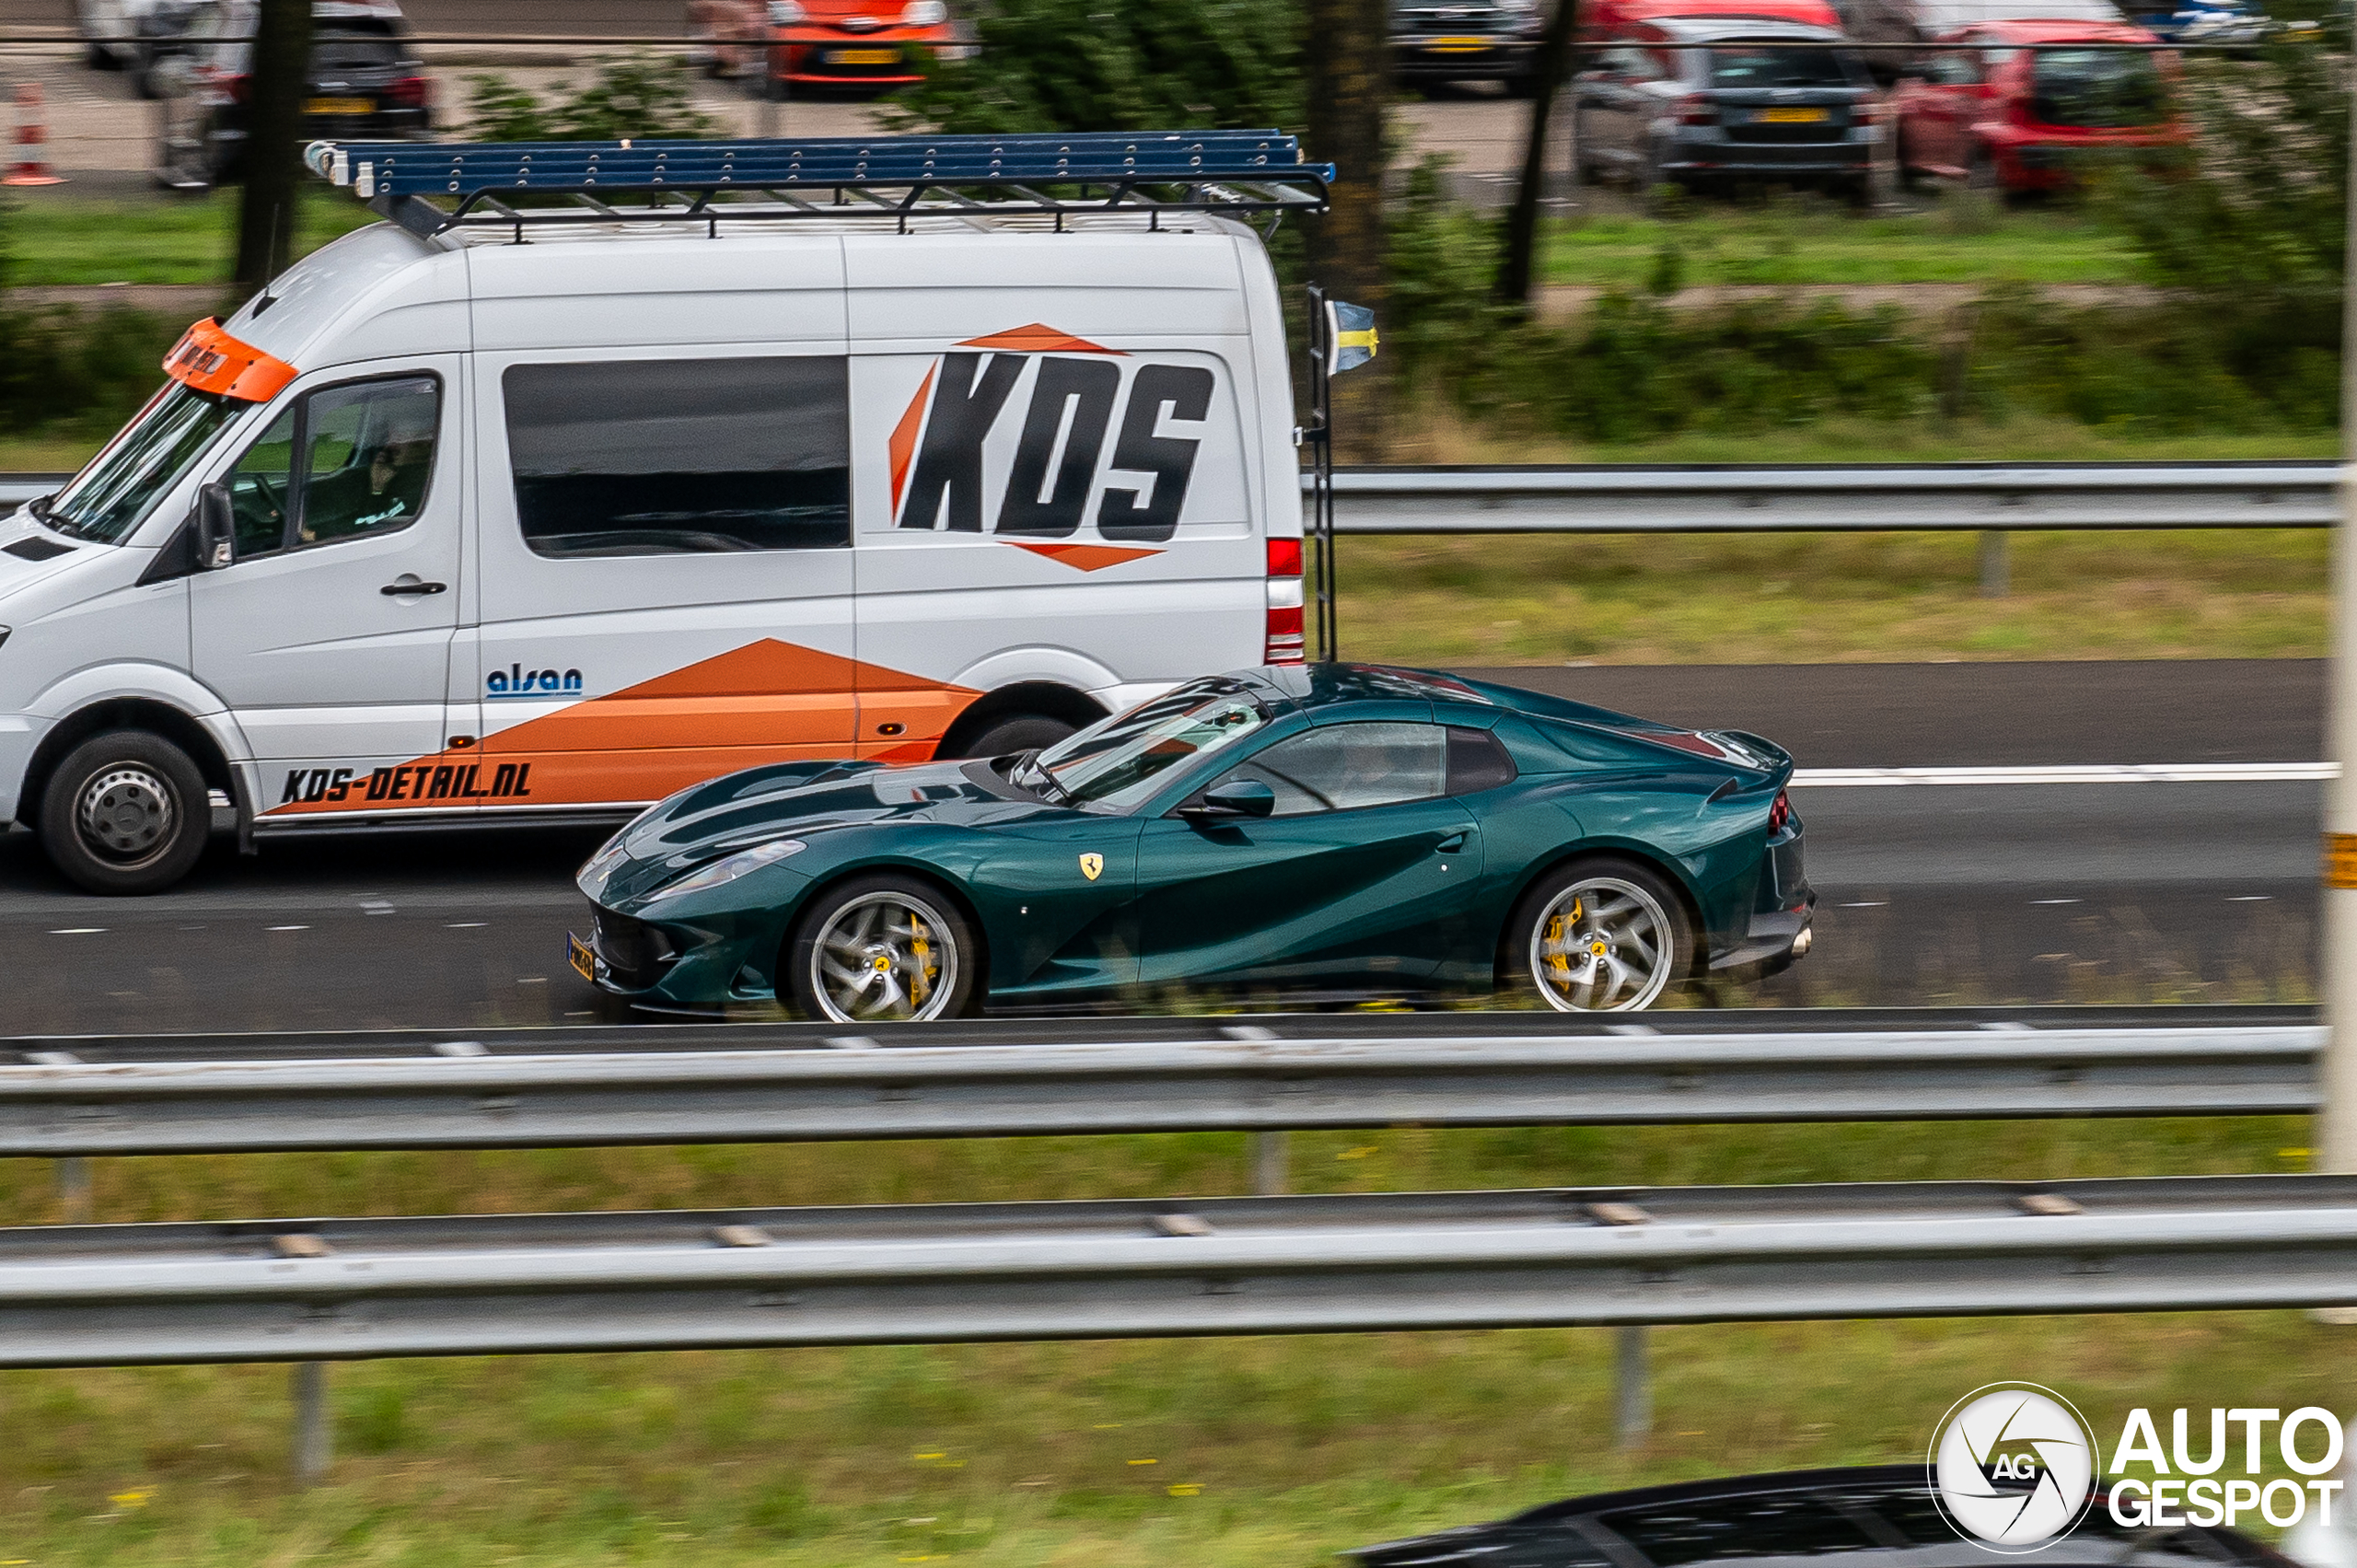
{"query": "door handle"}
pixel 405 587
pixel 1450 844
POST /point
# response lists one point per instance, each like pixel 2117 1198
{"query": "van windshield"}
pixel 1114 764
pixel 114 494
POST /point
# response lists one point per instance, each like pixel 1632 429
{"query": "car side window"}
pixel 1343 767
pixel 681 457
pixel 367 452
pixel 1954 69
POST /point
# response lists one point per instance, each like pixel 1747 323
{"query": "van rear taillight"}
pixel 1283 642
pixel 1780 816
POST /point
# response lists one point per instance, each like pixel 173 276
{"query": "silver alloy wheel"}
pixel 884 957
pixel 127 814
pixel 1602 945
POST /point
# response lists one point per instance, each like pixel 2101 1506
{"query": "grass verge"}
pixel 62 238
pixel 1801 241
pixel 1257 1451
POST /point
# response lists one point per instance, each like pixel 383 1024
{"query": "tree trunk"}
pixel 1518 267
pixel 282 71
pixel 1350 94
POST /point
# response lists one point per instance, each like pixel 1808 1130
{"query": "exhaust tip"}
pixel 1802 943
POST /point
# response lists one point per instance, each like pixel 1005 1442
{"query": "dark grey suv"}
pixel 1696 100
pixel 1466 40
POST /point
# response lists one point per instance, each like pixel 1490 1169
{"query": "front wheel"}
pixel 125 812
pixel 882 950
pixel 1601 935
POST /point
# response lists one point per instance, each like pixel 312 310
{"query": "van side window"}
pixel 674 457
pixel 367 452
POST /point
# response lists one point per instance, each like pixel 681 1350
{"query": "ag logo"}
pixel 1066 401
pixel 2012 1467
pixel 1092 867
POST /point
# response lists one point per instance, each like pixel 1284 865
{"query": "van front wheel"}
pixel 1018 732
pixel 125 812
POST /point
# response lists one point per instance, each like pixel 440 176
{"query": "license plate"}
pixel 584 961
pixel 1456 45
pixel 341 106
pixel 1791 116
pixel 865 57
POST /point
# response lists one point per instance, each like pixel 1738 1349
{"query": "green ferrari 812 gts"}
pixel 1343 830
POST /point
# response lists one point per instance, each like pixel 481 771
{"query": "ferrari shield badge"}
pixel 1092 867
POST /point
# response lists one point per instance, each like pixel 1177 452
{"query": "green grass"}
pixel 1222 1452
pixel 1803 242
pixel 55 238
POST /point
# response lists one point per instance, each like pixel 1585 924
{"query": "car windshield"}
pixel 1743 66
pixel 1114 764
pixel 2088 86
pixel 114 494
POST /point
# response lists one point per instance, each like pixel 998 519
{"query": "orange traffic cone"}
pixel 31 168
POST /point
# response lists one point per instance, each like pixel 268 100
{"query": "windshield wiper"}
pixel 1028 774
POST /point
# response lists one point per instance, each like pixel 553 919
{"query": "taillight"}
pixel 1780 816
pixel 236 86
pixel 1697 111
pixel 410 92
pixel 1284 639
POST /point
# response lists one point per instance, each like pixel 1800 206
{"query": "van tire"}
pixel 126 812
pixel 1019 732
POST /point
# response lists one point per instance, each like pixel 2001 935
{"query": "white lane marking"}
pixel 2092 772
pixel 467 925
pixel 81 931
pixel 2250 898
pixel 1882 903
pixel 287 928
pixel 2057 900
pixel 376 906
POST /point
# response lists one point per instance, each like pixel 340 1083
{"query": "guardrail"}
pixel 1429 1070
pixel 322 1289
pixel 1860 497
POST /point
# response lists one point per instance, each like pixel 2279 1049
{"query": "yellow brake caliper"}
pixel 920 984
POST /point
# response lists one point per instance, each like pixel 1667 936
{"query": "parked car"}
pixel 1602 16
pixel 2203 21
pixel 1857 1517
pixel 875 43
pixel 1985 108
pixel 365 83
pixel 132 35
pixel 1697 100
pixel 1335 828
pixel 1466 41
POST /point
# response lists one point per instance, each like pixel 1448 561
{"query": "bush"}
pixel 652 96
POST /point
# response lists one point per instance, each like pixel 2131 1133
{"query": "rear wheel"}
pixel 125 812
pixel 1018 732
pixel 1602 935
pixel 882 950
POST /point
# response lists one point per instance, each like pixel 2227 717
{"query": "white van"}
pixel 541 507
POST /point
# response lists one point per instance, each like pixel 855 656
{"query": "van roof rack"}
pixel 430 188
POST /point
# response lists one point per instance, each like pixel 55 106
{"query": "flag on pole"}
pixel 1350 336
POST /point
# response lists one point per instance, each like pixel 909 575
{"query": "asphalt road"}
pixel 1932 894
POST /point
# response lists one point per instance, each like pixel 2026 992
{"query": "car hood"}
pixel 30 553
pixel 728 815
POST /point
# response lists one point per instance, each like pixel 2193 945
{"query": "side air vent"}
pixel 39 548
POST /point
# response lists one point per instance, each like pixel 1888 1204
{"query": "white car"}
pixel 446 528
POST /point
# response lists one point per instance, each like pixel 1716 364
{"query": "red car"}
pixel 812 42
pixel 2000 117
pixel 1602 16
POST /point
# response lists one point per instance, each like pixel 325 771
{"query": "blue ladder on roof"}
pixel 1213 171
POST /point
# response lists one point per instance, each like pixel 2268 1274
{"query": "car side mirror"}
pixel 216 528
pixel 1236 797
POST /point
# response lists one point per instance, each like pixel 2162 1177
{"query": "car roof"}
pixel 1716 29
pixel 1306 687
pixel 2035 29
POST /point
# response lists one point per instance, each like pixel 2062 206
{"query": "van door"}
pixel 666 568
pixel 1051 478
pixel 329 633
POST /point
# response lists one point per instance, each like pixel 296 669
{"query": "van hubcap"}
pixel 1603 945
pixel 125 813
pixel 884 957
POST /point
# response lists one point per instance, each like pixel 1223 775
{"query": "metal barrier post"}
pixel 1996 563
pixel 2336 1142
pixel 73 1189
pixel 1882 171
pixel 312 1441
pixel 1268 1163
pixel 1633 1402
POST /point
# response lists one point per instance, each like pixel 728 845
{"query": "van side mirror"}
pixel 216 528
pixel 1236 797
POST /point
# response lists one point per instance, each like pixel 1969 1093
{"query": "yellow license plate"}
pixel 865 57
pixel 584 961
pixel 341 106
pixel 1456 45
pixel 1792 116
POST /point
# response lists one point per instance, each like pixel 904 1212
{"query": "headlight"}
pixel 924 14
pixel 784 13
pixel 722 872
